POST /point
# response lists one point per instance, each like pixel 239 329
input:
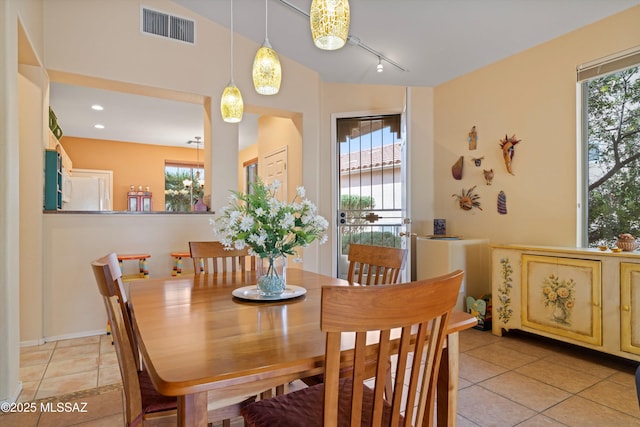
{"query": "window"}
pixel 183 185
pixel 611 123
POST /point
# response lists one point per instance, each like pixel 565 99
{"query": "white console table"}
pixel 582 296
pixel 435 257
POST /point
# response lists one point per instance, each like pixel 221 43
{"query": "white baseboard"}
pixel 14 398
pixel 62 337
pixel 32 343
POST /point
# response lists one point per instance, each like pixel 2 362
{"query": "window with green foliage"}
pixel 182 187
pixel 612 155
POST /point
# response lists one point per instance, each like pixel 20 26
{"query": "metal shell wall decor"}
pixel 502 203
pixel 456 169
pixel 467 199
pixel 508 149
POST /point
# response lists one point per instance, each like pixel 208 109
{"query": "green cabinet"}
pixel 52 180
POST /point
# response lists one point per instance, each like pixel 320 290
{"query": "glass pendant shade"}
pixel 231 105
pixel 329 21
pixel 267 73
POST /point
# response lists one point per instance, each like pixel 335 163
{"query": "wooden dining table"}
pixel 198 340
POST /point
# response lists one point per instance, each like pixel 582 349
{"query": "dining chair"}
pixel 222 259
pixel 370 265
pixel 143 405
pixel 375 265
pixel 141 402
pixel 409 320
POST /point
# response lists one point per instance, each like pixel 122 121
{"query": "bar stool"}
pixel 143 268
pixel 177 262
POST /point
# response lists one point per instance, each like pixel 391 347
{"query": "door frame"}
pixel 334 179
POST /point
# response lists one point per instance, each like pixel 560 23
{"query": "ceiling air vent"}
pixel 169 26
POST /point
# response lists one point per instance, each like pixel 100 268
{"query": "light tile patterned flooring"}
pixel 515 380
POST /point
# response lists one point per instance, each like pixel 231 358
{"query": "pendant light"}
pixel 267 73
pixel 231 105
pixel 329 21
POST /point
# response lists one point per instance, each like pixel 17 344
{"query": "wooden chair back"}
pixel 421 310
pixel 214 257
pixel 375 265
pixel 109 279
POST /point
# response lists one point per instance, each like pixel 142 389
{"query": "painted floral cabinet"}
pixel 561 296
pixel 582 296
pixel 506 291
pixel 630 307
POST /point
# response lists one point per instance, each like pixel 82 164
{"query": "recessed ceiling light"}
pixel 98 126
pixel 97 107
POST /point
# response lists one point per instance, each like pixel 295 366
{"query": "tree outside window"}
pixel 181 187
pixel 613 155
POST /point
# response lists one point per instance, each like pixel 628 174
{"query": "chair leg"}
pixel 266 394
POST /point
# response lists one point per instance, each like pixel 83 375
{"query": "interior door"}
pixel 370 185
pixel 276 169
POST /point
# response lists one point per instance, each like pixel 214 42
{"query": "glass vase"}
pixel 272 275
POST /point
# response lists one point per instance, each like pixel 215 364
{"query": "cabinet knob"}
pixel 625 307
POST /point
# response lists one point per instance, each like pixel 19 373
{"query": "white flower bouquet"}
pixel 269 227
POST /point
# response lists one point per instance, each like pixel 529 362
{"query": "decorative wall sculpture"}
pixel 508 145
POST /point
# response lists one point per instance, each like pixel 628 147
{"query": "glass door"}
pixel 370 170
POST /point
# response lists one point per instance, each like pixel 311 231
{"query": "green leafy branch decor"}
pixel 504 291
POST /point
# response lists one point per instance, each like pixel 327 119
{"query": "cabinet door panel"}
pixel 630 307
pixel 562 296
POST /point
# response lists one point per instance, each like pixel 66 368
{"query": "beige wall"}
pixel 21 38
pixel 248 154
pixel 132 164
pixel 275 133
pixel 72 303
pixel 31 273
pixel 532 95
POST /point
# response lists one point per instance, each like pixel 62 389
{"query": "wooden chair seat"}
pixel 152 401
pixel 273 412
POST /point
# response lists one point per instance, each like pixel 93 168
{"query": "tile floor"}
pixel 515 380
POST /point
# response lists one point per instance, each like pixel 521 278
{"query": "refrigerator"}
pixel 85 193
